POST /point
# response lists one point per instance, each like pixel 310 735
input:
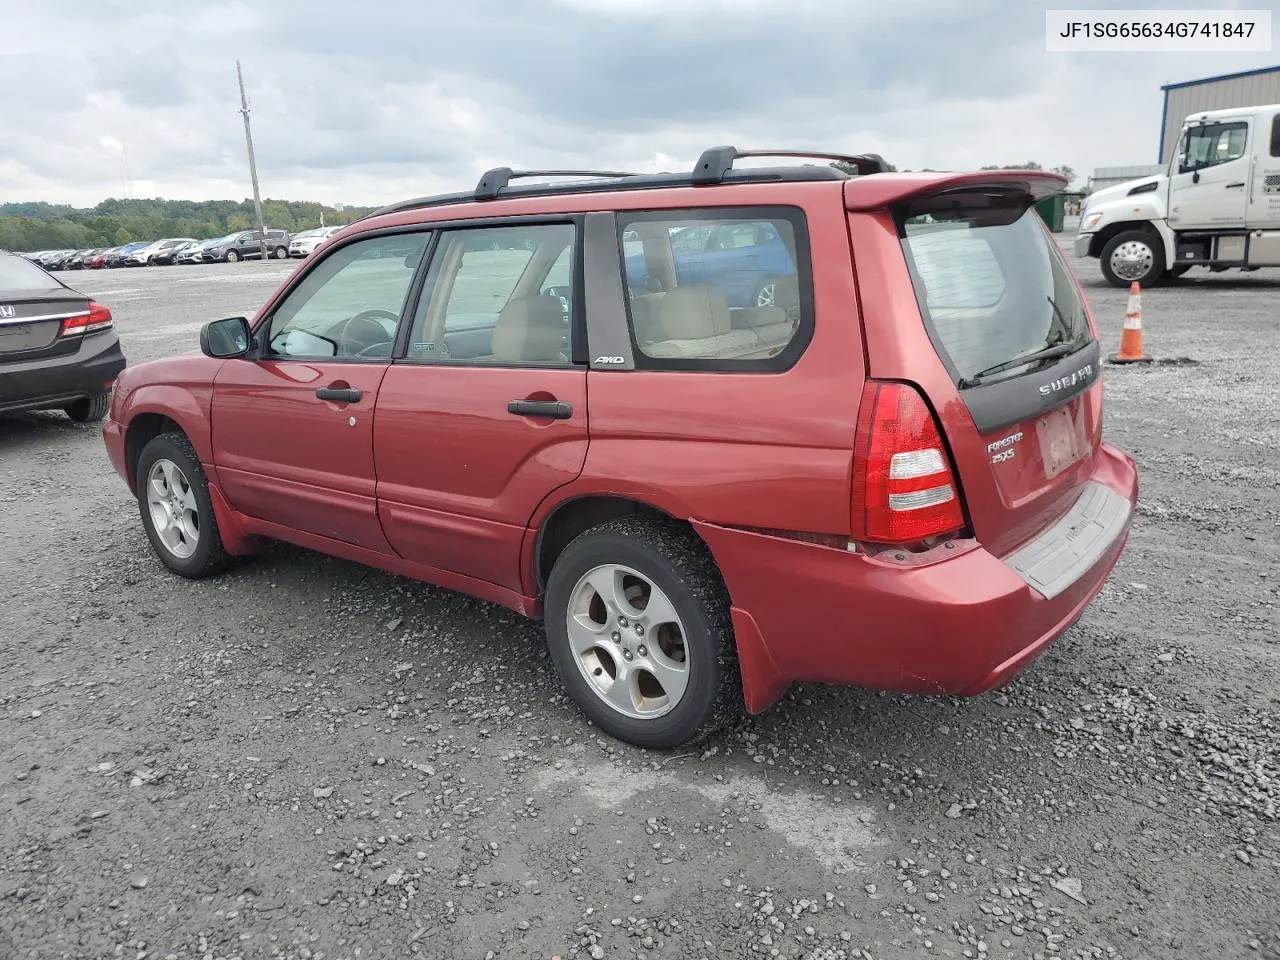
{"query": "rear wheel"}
pixel 637 621
pixel 89 409
pixel 173 499
pixel 1133 255
pixel 232 256
pixel 281 253
pixel 766 294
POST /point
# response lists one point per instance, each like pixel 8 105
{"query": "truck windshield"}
pixel 993 293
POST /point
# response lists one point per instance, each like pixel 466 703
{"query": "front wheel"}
pixel 89 409
pixel 173 498
pixel 1134 255
pixel 281 253
pixel 232 256
pixel 637 621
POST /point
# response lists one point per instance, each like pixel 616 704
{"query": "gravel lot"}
pixel 308 759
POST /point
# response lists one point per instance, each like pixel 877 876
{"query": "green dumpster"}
pixel 1053 210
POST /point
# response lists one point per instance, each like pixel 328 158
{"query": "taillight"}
pixel 98 318
pixel 904 490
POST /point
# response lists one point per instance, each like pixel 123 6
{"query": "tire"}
pixel 669 556
pixel 191 490
pixel 765 293
pixel 281 253
pixel 232 256
pixel 89 409
pixel 1145 267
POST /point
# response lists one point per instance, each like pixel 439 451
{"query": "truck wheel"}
pixel 1133 255
pixel 637 621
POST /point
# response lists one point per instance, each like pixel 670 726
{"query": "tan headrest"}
pixel 530 329
pixel 693 313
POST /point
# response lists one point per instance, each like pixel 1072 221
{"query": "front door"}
pixel 485 413
pixel 1210 183
pixel 293 428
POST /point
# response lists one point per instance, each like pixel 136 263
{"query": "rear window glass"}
pixel 724 289
pixel 991 292
pixel 19 274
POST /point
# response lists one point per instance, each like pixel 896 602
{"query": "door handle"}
pixel 339 394
pixel 555 409
pixel 1232 186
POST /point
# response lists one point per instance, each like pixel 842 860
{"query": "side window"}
pixel 498 295
pixel 1210 145
pixel 741 301
pixel 348 306
pixel 1275 135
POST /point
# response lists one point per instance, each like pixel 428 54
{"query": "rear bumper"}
pixel 53 382
pixel 957 626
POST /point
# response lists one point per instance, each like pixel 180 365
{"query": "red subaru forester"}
pixel 721 431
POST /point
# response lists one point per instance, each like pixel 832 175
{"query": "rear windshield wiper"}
pixel 1048 352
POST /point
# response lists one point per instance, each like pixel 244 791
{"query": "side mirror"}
pixel 225 339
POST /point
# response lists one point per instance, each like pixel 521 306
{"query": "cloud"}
pixel 372 101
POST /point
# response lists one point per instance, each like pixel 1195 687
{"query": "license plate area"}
pixel 1062 441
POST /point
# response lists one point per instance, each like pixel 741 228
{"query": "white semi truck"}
pixel 1217 205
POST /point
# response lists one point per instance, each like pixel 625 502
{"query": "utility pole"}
pixel 253 166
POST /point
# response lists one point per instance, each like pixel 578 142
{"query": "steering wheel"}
pixel 367 321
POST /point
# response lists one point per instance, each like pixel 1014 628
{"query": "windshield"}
pixel 991 292
pixel 17 273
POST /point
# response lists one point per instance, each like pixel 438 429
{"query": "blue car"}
pixel 742 259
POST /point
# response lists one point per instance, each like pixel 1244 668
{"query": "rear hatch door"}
pixel 1003 345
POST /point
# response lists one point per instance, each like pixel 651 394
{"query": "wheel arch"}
pixel 159 409
pixel 574 515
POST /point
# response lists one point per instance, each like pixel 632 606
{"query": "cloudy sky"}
pixel 366 101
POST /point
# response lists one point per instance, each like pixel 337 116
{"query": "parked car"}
pixel 244 246
pixel 891 475
pixel 53 259
pixel 119 256
pixel 742 260
pixel 58 348
pixel 153 254
pixel 304 244
pixel 97 261
pixel 194 252
pixel 179 250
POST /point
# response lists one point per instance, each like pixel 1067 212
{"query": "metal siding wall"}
pixel 1261 88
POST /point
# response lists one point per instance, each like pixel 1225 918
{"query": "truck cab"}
pixel 1216 205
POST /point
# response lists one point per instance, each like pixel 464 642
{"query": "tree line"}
pixel 47 226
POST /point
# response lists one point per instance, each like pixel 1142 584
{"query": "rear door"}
pixel 485 413
pixel 994 294
pixel 293 427
pixel 1264 191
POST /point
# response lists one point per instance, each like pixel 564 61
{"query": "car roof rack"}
pixel 714 166
pixel 497 178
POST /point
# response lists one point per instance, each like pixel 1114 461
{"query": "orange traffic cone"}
pixel 1131 339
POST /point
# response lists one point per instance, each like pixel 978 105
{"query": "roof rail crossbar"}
pixel 715 163
pixel 497 178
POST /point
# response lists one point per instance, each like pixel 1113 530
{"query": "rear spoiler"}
pixel 890 189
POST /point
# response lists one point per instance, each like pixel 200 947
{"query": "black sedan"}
pixel 58 348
